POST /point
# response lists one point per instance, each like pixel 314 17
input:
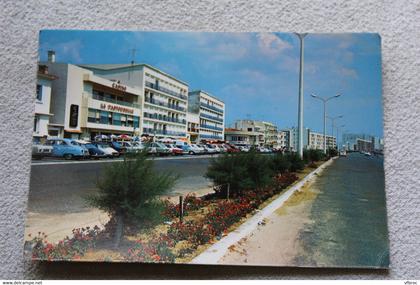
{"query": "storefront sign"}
pixel 119 87
pixel 74 115
pixel 116 108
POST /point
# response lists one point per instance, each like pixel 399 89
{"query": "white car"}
pixel 137 146
pixel 109 151
pixel 195 149
pixel 244 148
pixel 213 148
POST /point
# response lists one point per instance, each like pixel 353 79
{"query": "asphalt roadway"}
pixel 58 186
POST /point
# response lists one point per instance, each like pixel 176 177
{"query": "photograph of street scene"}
pixel 208 148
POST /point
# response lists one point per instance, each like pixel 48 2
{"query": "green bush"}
pixel 280 163
pixel 241 171
pixel 129 192
pixel 313 155
pixel 332 152
pixel 296 163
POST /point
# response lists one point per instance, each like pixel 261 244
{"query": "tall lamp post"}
pixel 324 101
pixel 333 122
pixel 301 36
pixel 338 129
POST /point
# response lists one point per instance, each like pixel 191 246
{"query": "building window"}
pixel 104 117
pixel 39 92
pixel 36 124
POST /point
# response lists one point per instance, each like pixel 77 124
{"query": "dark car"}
pixel 94 151
pixel 117 146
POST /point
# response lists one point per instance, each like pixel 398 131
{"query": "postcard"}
pixel 260 149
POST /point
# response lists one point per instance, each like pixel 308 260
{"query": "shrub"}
pixel 280 163
pixel 240 170
pixel 313 155
pixel 332 152
pixel 296 163
pixel 129 192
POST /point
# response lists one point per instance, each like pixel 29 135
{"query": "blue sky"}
pixel 255 74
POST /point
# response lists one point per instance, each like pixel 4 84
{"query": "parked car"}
pixel 244 148
pixel 67 148
pixel 39 150
pixel 138 146
pixel 194 149
pixel 202 148
pixel 109 151
pixel 186 148
pixel 230 148
pixel 117 146
pixel 213 148
pixel 160 149
pixel 128 146
pixel 93 150
pixel 175 150
pixel 208 149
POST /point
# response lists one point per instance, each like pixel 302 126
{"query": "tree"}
pixel 280 163
pixel 241 171
pixel 296 163
pixel 130 190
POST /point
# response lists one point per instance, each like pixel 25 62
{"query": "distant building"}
pixel 284 140
pixel 268 130
pixel 350 141
pixel 243 137
pixel 364 145
pixel 316 141
pixel 43 104
pixel 211 112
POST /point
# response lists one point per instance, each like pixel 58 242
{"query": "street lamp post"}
pixel 338 129
pixel 333 124
pixel 300 108
pixel 324 101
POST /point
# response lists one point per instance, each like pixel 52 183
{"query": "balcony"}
pixel 211 137
pixel 208 106
pixel 193 130
pixel 211 127
pixel 162 132
pixel 165 90
pixel 163 104
pixel 164 118
pixel 212 118
pixel 114 101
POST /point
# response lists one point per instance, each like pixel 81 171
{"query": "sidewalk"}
pixel 270 237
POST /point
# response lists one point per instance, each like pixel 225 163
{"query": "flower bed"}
pixel 202 227
pixel 67 249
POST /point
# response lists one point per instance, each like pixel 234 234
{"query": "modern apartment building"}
pixel 85 105
pixel 243 137
pixel 268 130
pixel 211 112
pixel 283 140
pixel 43 102
pixel 316 141
pixel 163 100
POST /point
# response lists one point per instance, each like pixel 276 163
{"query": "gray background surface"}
pixel 397 21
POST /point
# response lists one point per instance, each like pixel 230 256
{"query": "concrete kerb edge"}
pixel 215 252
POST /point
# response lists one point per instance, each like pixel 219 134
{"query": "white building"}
pixel 243 137
pixel 268 130
pixel 193 127
pixel 163 100
pixel 316 141
pixel 42 102
pixel 85 105
pixel 211 111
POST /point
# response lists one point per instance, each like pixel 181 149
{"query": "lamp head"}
pixel 338 95
pixel 313 95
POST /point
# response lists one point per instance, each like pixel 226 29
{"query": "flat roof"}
pixel 202 91
pixel 127 65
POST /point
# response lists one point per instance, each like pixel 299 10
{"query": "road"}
pixel 59 186
pixel 339 222
pixel 350 221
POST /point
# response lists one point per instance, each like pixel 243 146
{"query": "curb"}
pixel 215 252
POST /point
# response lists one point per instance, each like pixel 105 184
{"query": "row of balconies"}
pixel 166 90
pixel 165 118
pixel 153 131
